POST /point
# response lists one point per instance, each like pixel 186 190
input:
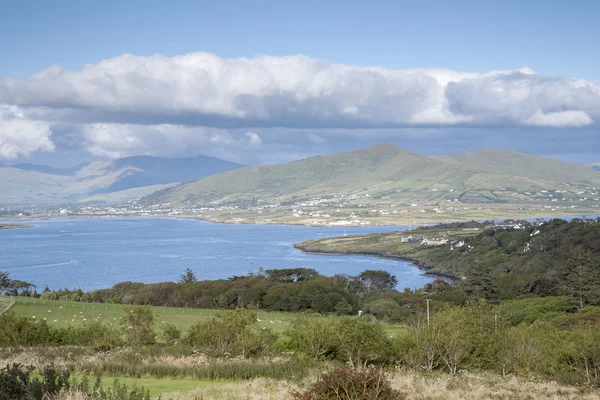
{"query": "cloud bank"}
pixel 163 105
pixel 21 137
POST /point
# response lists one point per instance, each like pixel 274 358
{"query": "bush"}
pixel 313 337
pixel 170 334
pixel 350 384
pixel 229 334
pixel 20 331
pixel 16 383
pixel 138 325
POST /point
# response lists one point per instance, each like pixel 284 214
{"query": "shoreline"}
pixel 414 261
pixel 14 226
pixel 399 223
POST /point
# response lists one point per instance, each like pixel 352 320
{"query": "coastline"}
pixel 400 222
pixel 414 261
pixel 14 226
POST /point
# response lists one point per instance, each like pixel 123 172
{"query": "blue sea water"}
pixel 97 253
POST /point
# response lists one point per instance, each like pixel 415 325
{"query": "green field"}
pixel 157 387
pixel 63 313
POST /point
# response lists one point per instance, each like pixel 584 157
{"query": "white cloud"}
pixel 298 91
pixel 20 136
pixel 560 119
pixel 121 140
pixel 315 138
pixel 253 139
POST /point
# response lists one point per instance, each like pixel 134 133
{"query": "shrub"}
pixel 138 325
pixel 352 384
pixel 17 383
pixel 314 337
pixel 230 333
pixel 21 331
pixel 170 334
pixel 361 341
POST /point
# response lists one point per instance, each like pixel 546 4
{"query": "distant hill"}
pixel 595 165
pixel 102 180
pixel 385 170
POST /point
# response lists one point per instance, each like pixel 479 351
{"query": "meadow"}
pixel 60 313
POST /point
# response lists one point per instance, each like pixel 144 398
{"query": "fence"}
pixel 5 308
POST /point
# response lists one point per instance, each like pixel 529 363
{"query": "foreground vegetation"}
pixel 517 320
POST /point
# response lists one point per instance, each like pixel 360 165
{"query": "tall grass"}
pixel 235 370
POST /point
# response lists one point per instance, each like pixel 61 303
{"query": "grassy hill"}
pixel 594 166
pixel 102 181
pixel 385 170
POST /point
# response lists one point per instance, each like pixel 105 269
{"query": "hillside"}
pixel 595 165
pixel 525 258
pixel 387 171
pixel 102 181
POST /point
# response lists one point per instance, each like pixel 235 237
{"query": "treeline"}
pixel 292 290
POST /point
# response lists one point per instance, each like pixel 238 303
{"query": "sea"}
pixel 96 253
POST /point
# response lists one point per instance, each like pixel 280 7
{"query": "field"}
pixel 158 387
pixel 415 386
pixel 63 313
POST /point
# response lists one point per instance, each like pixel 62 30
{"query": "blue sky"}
pixel 557 40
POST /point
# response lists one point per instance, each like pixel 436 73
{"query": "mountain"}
pixel 525 165
pixel 385 170
pixel 594 165
pixel 102 180
pixel 44 169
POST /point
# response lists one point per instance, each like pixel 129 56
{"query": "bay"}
pixel 97 253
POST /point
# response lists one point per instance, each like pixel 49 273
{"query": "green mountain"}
pixel 102 181
pixel 385 170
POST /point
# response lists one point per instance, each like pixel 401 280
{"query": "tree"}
pixel 480 283
pixel 361 340
pixel 188 276
pixel 4 281
pixel 314 337
pixel 138 325
pixel 580 278
pixel 343 308
pixel 378 281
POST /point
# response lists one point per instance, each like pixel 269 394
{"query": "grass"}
pixel 414 386
pixel 61 313
pixel 158 387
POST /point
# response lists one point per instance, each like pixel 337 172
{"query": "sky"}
pixel 271 82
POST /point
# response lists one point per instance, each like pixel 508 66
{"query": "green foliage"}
pixel 357 341
pixel 377 280
pixel 384 308
pixel 170 334
pixel 361 341
pixel 20 331
pixel 343 308
pixel 17 383
pixel 188 276
pixel 313 337
pixel 229 334
pixel 351 384
pixel 531 309
pixel 138 325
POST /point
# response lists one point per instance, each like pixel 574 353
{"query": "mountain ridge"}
pixel 385 170
pixel 39 184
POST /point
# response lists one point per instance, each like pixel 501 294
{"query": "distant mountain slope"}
pixel 525 165
pixel 594 165
pixel 38 184
pixel 383 170
pixel 44 169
